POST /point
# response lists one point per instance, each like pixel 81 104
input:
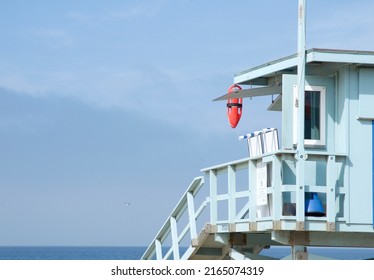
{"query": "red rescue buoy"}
pixel 234 107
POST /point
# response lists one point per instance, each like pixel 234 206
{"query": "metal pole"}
pixel 301 52
pixel 299 103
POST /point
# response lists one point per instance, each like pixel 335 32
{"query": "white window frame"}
pixel 311 142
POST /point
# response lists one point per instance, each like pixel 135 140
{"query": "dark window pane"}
pixel 312 115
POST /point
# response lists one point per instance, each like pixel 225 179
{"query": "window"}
pixel 315 118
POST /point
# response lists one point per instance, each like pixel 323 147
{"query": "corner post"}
pixel 300 103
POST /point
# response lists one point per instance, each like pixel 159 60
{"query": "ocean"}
pixel 135 253
pixel 70 253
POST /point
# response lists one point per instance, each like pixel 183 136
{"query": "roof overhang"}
pixel 318 62
pixel 251 92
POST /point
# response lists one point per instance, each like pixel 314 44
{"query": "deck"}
pixel 234 222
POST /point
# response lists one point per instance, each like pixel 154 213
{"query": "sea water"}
pixel 135 253
pixel 70 253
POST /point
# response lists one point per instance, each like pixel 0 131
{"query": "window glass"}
pixel 312 115
pixel 315 116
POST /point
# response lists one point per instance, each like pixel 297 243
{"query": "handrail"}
pixel 249 212
pixel 185 203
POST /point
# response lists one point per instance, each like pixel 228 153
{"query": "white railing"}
pixel 160 249
pixel 232 196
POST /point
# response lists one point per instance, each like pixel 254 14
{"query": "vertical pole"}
pixel 299 252
pixel 372 170
pixel 300 163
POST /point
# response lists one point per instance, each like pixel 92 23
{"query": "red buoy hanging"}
pixel 234 107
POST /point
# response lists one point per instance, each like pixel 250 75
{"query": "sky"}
pixel 106 111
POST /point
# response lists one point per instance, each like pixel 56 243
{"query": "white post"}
pixel 331 178
pixel 174 238
pixel 213 197
pixel 231 192
pixel 252 191
pixel 158 249
pixel 191 215
pixel 299 103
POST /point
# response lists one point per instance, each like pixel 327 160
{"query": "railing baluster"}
pixel 158 249
pixel 252 190
pixel 191 216
pixel 232 193
pixel 174 238
pixel 213 197
pixel 276 185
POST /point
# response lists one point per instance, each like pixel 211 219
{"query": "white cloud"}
pixel 25 123
pixel 349 26
pixel 54 38
pixel 83 17
pixel 175 97
pixel 134 12
pixel 20 82
pixel 140 10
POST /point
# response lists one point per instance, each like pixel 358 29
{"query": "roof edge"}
pixel 313 55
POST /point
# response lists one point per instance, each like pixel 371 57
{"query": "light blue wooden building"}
pixel 339 114
pixel 324 158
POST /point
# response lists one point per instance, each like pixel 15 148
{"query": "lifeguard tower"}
pixel 313 188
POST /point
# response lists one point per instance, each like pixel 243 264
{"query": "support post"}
pixel 331 174
pixel 299 103
pixel 299 252
pixel 277 194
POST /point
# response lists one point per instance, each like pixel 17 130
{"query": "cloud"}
pixel 157 78
pixel 26 123
pixel 172 96
pixel 54 38
pixel 348 27
pixel 18 81
pixel 140 10
pixel 82 17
